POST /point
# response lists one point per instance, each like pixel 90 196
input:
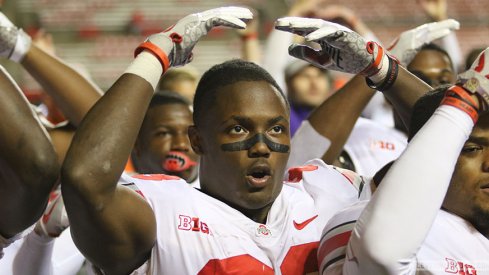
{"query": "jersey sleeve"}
pixel 307 144
pixel 335 237
pixel 331 188
pixel 411 193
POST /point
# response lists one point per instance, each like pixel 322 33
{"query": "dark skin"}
pixel 164 129
pixel 333 122
pixel 468 193
pixel 113 226
pixel 245 109
pixel 73 93
pixel 28 163
pixel 433 67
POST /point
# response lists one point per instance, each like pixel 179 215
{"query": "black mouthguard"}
pixel 247 144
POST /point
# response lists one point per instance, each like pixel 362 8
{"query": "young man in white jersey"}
pixel 454 240
pixel 244 219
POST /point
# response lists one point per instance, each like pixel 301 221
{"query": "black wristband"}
pixel 389 80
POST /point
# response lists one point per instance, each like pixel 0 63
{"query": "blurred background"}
pixel 99 36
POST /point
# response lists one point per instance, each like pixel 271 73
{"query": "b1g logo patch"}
pixel 187 223
pixel 383 145
pixel 263 231
pixel 457 267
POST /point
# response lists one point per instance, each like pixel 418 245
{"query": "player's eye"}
pixel 471 149
pixel 277 129
pixel 162 133
pixel 237 129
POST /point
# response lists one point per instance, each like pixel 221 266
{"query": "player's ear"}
pixel 195 139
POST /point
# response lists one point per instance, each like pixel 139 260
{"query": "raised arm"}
pixel 28 163
pixel 413 190
pixel 335 118
pixel 72 92
pixel 112 226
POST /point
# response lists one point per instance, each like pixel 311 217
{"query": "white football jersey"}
pixel 372 145
pixel 452 246
pixel 197 234
pixel 66 258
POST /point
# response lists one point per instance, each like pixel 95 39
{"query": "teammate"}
pixel 451 240
pixel 243 218
pixel 162 145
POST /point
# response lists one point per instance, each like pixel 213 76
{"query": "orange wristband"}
pixel 161 55
pixel 459 98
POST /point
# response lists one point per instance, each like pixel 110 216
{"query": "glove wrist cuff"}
pixel 387 75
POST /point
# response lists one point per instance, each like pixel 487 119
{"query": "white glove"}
pixel 173 47
pixel 55 219
pixel 341 48
pixel 14 42
pixel 407 45
pixel 476 79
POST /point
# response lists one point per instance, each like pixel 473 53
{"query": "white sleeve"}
pixel 276 55
pixel 410 194
pixel 307 144
pixel 34 256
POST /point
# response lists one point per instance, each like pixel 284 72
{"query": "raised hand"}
pixel 341 48
pixel 14 42
pixel 173 47
pixel 407 45
pixel 476 79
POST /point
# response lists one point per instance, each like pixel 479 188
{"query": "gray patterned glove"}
pixel 341 48
pixel 173 47
pixel 14 42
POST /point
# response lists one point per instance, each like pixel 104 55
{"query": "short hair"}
pixel 434 47
pixel 167 97
pixel 425 107
pixel 224 74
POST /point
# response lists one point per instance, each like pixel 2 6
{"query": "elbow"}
pixel 80 185
pixel 42 171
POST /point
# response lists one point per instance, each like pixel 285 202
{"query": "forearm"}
pixel 407 89
pixel 104 140
pixel 72 92
pixel 411 193
pixel 28 166
pixel 336 117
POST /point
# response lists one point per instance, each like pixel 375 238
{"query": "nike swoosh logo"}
pixel 45 217
pixel 300 226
